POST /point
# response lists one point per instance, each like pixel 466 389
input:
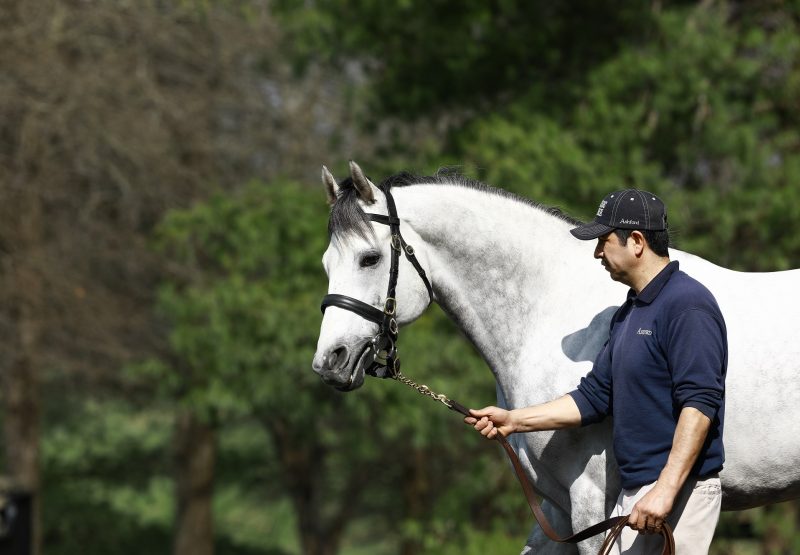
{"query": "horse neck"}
pixel 499 266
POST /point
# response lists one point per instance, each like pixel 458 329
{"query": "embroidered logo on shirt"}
pixel 644 332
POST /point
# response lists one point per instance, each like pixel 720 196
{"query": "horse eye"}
pixel 369 260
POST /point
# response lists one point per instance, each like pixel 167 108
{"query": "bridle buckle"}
pixel 397 242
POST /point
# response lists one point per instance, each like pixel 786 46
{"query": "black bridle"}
pixel 385 362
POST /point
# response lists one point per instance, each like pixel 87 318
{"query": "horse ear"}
pixel 331 187
pixel 363 185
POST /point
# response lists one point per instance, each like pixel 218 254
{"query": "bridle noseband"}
pixel 385 362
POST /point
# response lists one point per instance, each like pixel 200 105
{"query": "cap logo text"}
pixel 600 210
pixel 629 222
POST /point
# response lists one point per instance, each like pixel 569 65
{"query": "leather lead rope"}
pixel 615 525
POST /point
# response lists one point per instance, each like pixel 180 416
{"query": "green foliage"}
pixel 697 114
pixel 246 303
pixel 424 56
pixel 533 155
pixel 778 525
pixel 107 480
pixel 480 542
pixel 110 490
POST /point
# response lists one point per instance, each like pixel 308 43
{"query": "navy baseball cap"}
pixel 626 209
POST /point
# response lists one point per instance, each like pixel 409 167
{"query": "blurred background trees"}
pixel 161 225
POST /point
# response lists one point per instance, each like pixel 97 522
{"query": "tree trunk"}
pixel 21 428
pixel 21 291
pixel 195 457
pixel 320 531
pixel 416 492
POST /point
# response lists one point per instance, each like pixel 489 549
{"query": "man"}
pixel 661 375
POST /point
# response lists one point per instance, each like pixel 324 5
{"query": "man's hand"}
pixel 557 414
pixel 491 420
pixel 649 513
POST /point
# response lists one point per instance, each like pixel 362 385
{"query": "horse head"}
pixel 363 308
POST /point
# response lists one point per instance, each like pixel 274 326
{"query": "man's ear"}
pixel 639 242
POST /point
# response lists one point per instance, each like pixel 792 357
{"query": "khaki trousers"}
pixel 693 519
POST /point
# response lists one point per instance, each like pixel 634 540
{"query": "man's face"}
pixel 615 256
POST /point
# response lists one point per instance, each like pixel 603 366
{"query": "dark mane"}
pixel 346 214
pixel 348 217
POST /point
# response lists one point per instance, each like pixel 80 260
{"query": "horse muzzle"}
pixel 340 368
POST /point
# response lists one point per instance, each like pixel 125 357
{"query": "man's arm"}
pixel 690 434
pixel 555 415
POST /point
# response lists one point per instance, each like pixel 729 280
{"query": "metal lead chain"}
pixel 423 389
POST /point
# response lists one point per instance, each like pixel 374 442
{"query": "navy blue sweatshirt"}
pixel 667 350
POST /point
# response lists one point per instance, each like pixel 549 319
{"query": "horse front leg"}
pixel 589 506
pixel 539 544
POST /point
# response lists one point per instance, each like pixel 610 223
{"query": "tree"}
pixel 698 115
pixel 111 114
pixel 427 57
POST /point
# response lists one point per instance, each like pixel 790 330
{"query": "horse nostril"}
pixel 338 358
